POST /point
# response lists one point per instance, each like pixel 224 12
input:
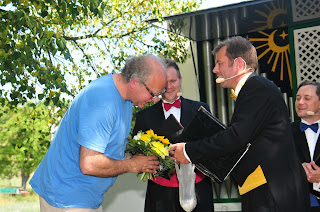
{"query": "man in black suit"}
pixel 269 176
pixel 306 136
pixel 163 194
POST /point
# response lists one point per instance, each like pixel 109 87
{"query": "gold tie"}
pixel 233 95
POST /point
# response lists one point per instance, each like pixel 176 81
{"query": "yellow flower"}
pixel 149 143
pixel 150 132
pixel 164 140
pixel 159 148
pixel 158 137
pixel 145 137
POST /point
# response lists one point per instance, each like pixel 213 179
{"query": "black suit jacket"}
pixel 302 148
pixel 260 117
pixel 153 117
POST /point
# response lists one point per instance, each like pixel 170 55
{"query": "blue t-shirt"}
pixel 98 119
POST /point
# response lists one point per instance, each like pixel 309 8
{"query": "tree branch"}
pixel 94 34
pixel 87 57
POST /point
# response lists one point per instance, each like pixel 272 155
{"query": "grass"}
pixel 18 203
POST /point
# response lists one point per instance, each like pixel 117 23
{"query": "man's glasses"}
pixel 152 94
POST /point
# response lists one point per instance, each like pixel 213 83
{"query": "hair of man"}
pixel 239 47
pixel 173 64
pixel 139 67
pixel 313 83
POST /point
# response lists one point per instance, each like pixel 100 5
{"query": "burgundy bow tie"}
pixel 176 104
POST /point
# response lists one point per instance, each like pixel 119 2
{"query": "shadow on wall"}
pixel 127 194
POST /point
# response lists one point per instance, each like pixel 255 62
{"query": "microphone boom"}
pixel 311 113
pixel 221 79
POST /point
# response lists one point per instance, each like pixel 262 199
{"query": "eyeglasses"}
pixel 152 94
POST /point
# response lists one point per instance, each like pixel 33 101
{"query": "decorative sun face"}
pixel 272 44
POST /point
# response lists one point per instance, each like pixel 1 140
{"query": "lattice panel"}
pixel 307 53
pixel 305 10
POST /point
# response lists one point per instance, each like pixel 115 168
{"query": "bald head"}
pixel 142 67
pixel 144 79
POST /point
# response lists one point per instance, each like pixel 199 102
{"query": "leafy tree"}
pixel 24 138
pixel 50 47
pixel 53 48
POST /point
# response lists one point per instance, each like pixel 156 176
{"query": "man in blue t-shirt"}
pixel 87 153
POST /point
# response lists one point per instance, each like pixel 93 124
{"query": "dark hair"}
pixel 239 47
pixel 140 67
pixel 173 64
pixel 316 84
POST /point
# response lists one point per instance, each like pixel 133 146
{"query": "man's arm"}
pixel 96 164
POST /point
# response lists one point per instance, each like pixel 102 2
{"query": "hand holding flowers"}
pixel 149 143
pixel 141 163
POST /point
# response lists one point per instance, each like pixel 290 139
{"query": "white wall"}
pixel 189 86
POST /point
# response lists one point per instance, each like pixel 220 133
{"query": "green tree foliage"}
pixel 50 47
pixel 24 138
pixel 53 47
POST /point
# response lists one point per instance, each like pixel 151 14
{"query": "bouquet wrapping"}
pixel 187 192
pixel 149 143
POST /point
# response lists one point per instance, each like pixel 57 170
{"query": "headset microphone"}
pixel 311 113
pixel 221 79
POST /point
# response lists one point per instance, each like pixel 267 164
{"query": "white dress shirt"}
pixel 312 139
pixel 173 110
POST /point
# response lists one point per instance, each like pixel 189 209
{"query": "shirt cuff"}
pixel 316 187
pixel 185 153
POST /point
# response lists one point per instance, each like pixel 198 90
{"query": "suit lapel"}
pixel 302 142
pixel 158 112
pixel 251 75
pixel 186 112
pixel 316 155
pixel 183 112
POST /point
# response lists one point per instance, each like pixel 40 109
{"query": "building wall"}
pixel 189 88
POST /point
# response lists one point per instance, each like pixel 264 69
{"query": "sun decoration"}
pixel 274 16
pixel 275 43
pixel 278 52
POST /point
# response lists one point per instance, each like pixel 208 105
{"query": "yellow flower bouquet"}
pixel 149 143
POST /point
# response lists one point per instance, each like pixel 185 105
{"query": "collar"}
pixel 241 82
pixel 164 101
pixel 303 121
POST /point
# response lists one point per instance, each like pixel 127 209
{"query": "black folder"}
pixel 202 125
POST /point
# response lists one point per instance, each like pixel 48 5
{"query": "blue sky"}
pixel 217 3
